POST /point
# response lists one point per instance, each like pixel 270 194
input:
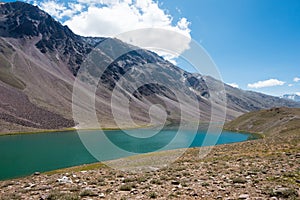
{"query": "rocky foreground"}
pixel 267 168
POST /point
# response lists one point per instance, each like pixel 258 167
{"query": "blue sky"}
pixel 255 43
pixel 250 40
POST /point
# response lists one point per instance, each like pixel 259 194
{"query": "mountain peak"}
pixel 23 20
pixel 19 20
pixel 17 4
pixel 7 7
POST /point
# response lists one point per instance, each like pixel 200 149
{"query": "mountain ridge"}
pixel 41 63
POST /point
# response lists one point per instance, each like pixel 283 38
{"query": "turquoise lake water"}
pixel 22 155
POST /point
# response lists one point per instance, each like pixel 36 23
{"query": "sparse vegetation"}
pixel 57 195
pixel 126 187
pixel 286 193
pixel 129 180
pixel 153 195
pixel 239 180
pixel 156 181
pixel 87 192
pixel 205 184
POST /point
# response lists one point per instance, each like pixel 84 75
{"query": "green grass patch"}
pixel 127 187
pixel 153 195
pixel 57 195
pixel 78 168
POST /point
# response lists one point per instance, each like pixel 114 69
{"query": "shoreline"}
pixel 93 129
pixel 252 136
pixel 108 129
pixel 101 164
pixel 97 164
pixel 256 135
pixel 265 168
pixel 94 165
pixel 235 169
pixel 67 130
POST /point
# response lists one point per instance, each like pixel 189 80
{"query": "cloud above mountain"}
pixel 109 18
pixel 60 10
pixel 266 83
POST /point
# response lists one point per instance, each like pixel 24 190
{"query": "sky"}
pixel 254 43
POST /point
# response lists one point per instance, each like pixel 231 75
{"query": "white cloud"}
pixel 60 10
pixel 171 58
pixel 298 93
pixel 32 2
pixel 118 16
pixel 233 85
pixel 53 8
pixel 108 18
pixel 266 83
pixel 296 79
pixel 290 85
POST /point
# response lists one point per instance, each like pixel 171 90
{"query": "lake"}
pixel 24 154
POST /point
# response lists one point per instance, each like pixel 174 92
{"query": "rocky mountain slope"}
pixel 274 121
pixel 40 60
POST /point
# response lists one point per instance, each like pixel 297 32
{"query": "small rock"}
pixel 153 168
pixel 244 196
pixel 273 198
pixel 134 192
pixel 64 179
pixel 45 187
pixel 194 194
pixel 175 183
pixel 102 195
pixel 36 173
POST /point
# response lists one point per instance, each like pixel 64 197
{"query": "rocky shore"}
pixel 267 168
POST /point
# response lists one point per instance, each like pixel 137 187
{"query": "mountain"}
pixel 41 61
pixel 293 97
pixel 269 122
